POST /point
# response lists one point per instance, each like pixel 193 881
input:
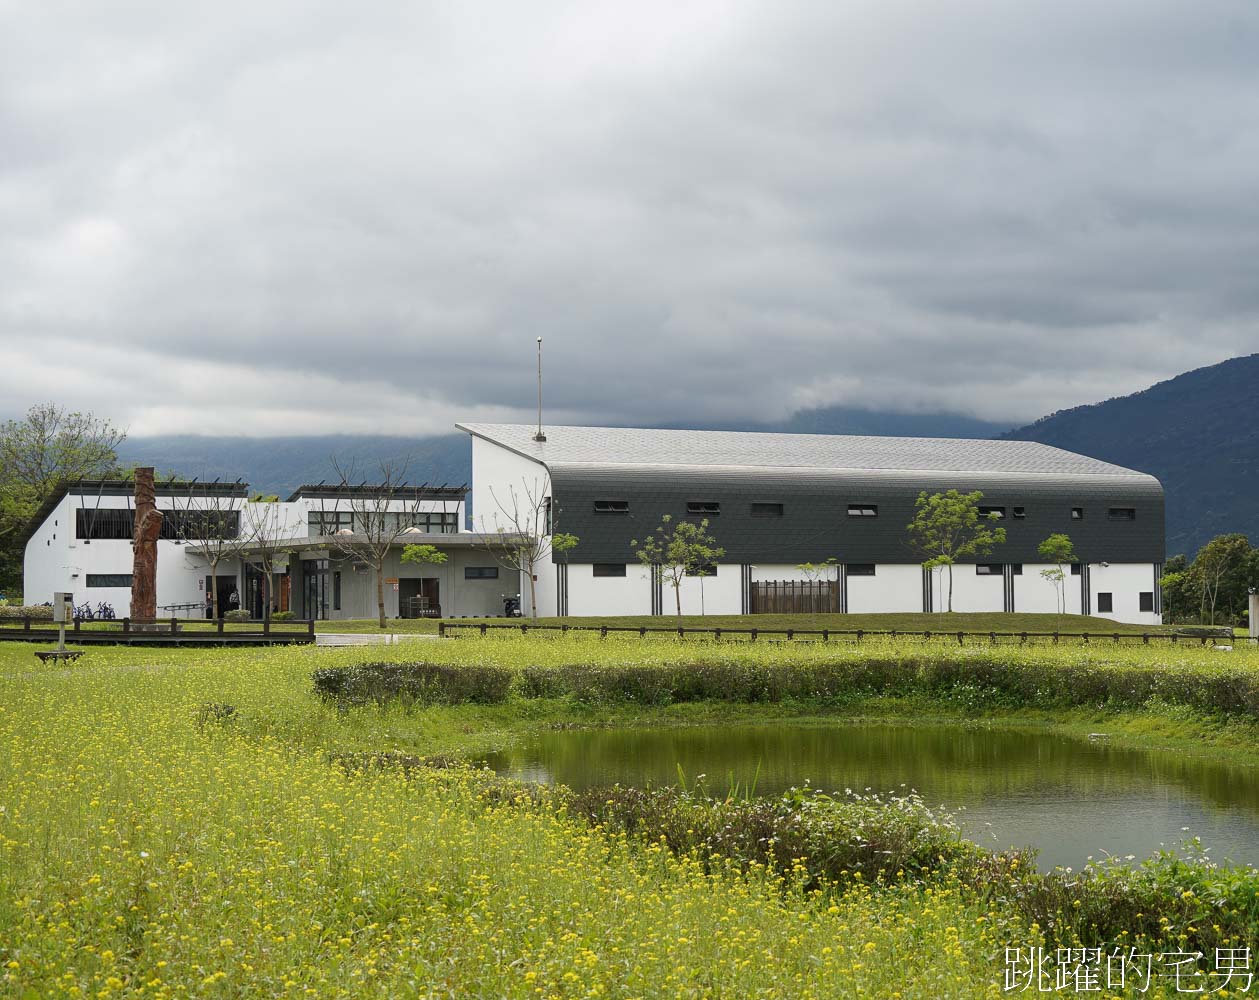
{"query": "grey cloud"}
pixel 710 211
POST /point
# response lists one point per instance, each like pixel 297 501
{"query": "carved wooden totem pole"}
pixel 144 556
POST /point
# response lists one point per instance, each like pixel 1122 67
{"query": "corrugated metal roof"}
pixel 642 447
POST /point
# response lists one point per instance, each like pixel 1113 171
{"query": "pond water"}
pixel 1068 798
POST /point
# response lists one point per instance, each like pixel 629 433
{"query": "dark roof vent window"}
pixel 1020 512
pixel 989 511
pixel 767 510
pixel 863 510
pixel 1077 513
pixel 611 506
pixel 1121 514
pixel 702 508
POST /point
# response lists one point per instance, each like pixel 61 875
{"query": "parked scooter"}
pixel 511 606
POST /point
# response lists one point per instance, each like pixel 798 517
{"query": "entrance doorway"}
pixel 226 584
pixel 419 598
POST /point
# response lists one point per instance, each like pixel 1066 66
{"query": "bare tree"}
pixel 523 533
pixel 264 537
pixel 381 516
pixel 208 516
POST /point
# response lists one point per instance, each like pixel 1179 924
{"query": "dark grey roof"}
pixel 378 491
pixel 815 477
pixel 626 447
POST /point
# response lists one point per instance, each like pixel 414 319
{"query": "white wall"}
pixel 770 573
pixel 1124 582
pixel 722 593
pixel 971 592
pixel 495 472
pixel 45 563
pixel 1036 595
pixel 892 588
pixel 609 595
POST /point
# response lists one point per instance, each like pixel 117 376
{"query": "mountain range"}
pixel 1197 433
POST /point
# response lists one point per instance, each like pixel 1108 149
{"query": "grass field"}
pixel 155 842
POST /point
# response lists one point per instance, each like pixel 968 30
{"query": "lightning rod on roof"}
pixel 539 436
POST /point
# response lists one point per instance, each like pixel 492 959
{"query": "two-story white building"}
pixel 80 542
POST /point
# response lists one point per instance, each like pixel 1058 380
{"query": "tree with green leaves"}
pixel 948 526
pixel 1176 583
pixel 1220 575
pixel 677 551
pixel 1058 550
pixel 48 446
pixel 819 572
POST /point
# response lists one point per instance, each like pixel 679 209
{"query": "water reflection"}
pixel 1068 798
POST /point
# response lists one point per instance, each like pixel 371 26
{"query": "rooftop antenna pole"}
pixel 539 436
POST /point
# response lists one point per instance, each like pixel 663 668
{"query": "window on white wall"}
pixel 859 569
pixel 109 579
pixel 989 569
pixel 480 572
pixel 609 569
pixel 1105 603
pixel 1146 599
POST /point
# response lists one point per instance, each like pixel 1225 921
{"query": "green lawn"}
pixel 909 622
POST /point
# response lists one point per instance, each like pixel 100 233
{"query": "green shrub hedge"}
pixel 423 683
pixel 38 612
pixel 977 679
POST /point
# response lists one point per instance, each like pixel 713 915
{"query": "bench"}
pixel 59 655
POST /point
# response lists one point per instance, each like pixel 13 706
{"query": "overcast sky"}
pixel 254 218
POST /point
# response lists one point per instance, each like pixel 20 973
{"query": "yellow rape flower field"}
pixel 148 850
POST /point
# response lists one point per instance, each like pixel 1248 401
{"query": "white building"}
pixel 80 542
pixel 774 501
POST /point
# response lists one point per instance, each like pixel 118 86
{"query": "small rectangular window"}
pixel 709 569
pixel 109 579
pixel 611 506
pixel 336 590
pixel 1077 513
pixel 989 569
pixel 1121 514
pixel 1075 569
pixel 859 569
pixel 767 510
pixel 863 510
pixel 609 569
pixel 1019 513
pixel 988 512
pixel 1146 600
pixel 480 572
pixel 1105 603
pixel 702 508
pixel 1016 569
